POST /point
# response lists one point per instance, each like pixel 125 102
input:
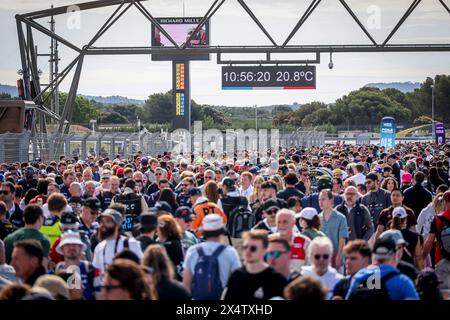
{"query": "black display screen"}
pixel 268 77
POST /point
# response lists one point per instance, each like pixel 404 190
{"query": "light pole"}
pixel 139 133
pixel 433 133
pixel 256 127
pixel 93 122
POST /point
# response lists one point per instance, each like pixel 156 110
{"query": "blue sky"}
pixel 137 76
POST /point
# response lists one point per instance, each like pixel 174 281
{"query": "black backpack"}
pixel 444 237
pixel 364 293
pixel 231 203
pixel 240 220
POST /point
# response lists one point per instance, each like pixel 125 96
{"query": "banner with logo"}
pixel 387 133
pixel 440 132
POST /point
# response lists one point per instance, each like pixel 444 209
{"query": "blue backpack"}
pixel 206 283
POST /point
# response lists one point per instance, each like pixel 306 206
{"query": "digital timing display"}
pixel 268 77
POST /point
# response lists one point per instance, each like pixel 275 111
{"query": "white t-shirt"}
pixel 359 178
pixel 329 279
pixel 106 250
pixel 246 193
pixel 228 259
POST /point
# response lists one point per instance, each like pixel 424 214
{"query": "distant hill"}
pixel 401 86
pixel 119 100
pixel 11 90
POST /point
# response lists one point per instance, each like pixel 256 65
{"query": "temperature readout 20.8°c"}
pixel 268 77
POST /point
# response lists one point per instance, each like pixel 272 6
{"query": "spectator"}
pixel 417 197
pixel 278 257
pixel 440 227
pixel 310 223
pixel 226 256
pixel 334 226
pixel 124 280
pixel 357 257
pixel 305 289
pixel 113 242
pixel 386 214
pixel 169 235
pixel 148 223
pixel 299 243
pixel 34 219
pixel 385 257
pixel 14 213
pixel 163 274
pixel 256 280
pixel 71 248
pixel 27 260
pixel 320 253
pixel 376 200
pixel 358 217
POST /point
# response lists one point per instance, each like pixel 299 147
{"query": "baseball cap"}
pixel 184 213
pixel 213 225
pixel 228 182
pixel 92 203
pixel 113 214
pixel 384 247
pixel 406 177
pixel 399 212
pixel 163 206
pixel 69 237
pixel 324 182
pixel 308 213
pixel 254 170
pixel 69 220
pixel 195 192
pixel 120 171
pixel 271 204
pixel 419 159
pixel 394 235
pixel 148 221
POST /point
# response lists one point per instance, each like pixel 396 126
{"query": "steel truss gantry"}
pixel 29 57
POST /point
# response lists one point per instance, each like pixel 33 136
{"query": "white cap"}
pixel 399 212
pixel 69 237
pixel 308 213
pixel 212 222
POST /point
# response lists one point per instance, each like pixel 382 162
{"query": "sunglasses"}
pixel 271 212
pixel 158 174
pixel 251 248
pixel 319 256
pixel 109 288
pixel 274 254
pixel 209 178
pixel 105 178
pixel 93 212
pixel 138 181
pixel 4 192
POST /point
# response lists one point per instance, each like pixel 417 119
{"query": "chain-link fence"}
pixel 47 147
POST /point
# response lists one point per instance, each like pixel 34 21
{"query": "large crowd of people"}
pixel 340 222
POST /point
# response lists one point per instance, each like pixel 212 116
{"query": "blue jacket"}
pixel 400 287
